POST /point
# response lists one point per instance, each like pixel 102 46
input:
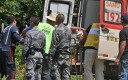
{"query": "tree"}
pixel 76 11
pixel 20 8
pixel 33 7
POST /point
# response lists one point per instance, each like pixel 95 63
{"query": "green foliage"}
pixel 20 68
pixel 33 7
pixel 20 8
pixel 10 7
pixel 18 54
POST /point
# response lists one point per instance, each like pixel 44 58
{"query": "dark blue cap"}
pixel 125 18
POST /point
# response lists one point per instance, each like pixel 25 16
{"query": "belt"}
pixel 36 49
pixel 88 47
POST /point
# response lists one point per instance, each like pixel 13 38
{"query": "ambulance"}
pixel 105 12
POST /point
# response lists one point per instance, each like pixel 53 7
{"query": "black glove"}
pixel 48 57
pixel 22 40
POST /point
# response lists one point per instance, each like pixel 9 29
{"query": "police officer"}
pixel 33 50
pixel 10 35
pixel 60 50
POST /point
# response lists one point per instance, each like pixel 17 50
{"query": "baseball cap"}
pixel 125 18
pixel 52 17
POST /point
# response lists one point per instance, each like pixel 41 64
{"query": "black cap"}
pixel 124 18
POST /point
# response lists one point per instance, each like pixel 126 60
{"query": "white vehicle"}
pixel 104 12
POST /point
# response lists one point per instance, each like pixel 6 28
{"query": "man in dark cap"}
pixel 33 50
pixel 122 57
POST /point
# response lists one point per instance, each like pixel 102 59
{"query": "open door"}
pixel 59 6
pixel 110 19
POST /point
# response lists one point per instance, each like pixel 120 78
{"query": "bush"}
pixel 20 68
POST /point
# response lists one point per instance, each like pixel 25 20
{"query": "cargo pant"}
pixel 33 66
pixel 90 58
pixel 60 69
pixel 46 70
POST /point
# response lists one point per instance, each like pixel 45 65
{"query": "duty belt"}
pixel 37 49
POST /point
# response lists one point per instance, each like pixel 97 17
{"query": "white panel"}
pixel 60 8
pixel 63 8
pixel 108 44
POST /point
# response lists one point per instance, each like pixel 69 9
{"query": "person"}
pixel 48 29
pixel 25 30
pixel 27 27
pixel 10 36
pixel 33 50
pixel 60 50
pixel 122 57
pixel 91 37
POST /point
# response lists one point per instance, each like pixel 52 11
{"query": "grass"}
pixel 20 74
pixel 73 77
pixel 76 77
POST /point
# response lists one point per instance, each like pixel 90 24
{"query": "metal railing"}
pixel 76 60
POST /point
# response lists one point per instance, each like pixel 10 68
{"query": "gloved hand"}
pixel 22 40
pixel 48 57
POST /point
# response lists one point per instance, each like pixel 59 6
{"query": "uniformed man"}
pixel 60 50
pixel 33 50
pixel 10 35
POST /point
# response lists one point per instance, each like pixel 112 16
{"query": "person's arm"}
pixel 82 38
pixel 121 49
pixel 75 28
pixel 122 46
pixel 54 43
pixel 23 33
pixel 26 45
pixel 15 32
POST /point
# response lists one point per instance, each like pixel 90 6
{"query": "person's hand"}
pixel 116 61
pixel 48 57
pixel 22 40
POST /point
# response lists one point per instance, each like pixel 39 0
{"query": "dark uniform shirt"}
pixel 35 39
pixel 10 35
pixel 61 40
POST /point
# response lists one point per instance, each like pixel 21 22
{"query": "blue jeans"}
pixel 123 68
pixel 46 70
